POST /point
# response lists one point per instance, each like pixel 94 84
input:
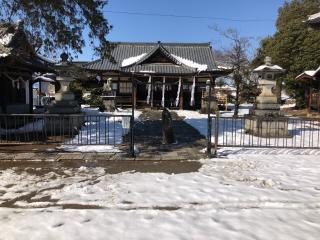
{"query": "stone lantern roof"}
pixel 269 67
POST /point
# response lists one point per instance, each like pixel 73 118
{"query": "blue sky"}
pixel 139 28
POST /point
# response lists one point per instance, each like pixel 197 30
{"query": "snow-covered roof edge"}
pixel 132 60
pixel 314 17
pixel 264 67
pixel 309 74
pixel 190 63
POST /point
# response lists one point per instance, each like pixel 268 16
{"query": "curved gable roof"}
pixel 181 55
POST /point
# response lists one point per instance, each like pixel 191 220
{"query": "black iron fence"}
pixel 269 133
pixel 64 129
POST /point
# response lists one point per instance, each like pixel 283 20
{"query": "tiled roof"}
pixel 14 45
pixel 198 53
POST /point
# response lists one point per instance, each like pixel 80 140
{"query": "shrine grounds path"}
pixel 148 139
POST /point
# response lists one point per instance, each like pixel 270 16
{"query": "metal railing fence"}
pixel 72 129
pixel 299 133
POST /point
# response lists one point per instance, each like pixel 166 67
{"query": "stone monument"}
pixel 108 96
pixel 266 119
pixel 167 127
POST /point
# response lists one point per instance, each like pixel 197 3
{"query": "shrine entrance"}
pixel 170 92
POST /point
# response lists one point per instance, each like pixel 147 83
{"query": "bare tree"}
pixel 236 56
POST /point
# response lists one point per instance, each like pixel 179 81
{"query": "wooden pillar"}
pixel 181 95
pixel 310 96
pixel 134 85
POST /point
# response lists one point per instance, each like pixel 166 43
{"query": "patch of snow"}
pixel 4 54
pixel 291 105
pixel 129 61
pixel 90 148
pixel 225 67
pixel 6 39
pixel 44 79
pixel 225 87
pixel 250 223
pixel 36 126
pixel 190 63
pixel 310 73
pixel 146 71
pixel 285 96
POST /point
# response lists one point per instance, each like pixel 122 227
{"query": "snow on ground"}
pixel 90 148
pixel 242 196
pixel 200 121
pixel 102 131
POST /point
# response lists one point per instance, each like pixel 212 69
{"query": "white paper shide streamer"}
pixel 178 93
pixel 192 92
pixel 149 90
pixel 163 90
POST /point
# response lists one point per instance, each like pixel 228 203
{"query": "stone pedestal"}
pixel 69 118
pixel 261 126
pixel 204 104
pixel 109 103
pixel 65 102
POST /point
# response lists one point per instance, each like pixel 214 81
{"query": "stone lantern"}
pixel 70 119
pixel 266 119
pixel 65 102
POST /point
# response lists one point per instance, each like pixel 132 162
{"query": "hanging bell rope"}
pixel 178 92
pixel 149 90
pixel 163 91
pixel 192 102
